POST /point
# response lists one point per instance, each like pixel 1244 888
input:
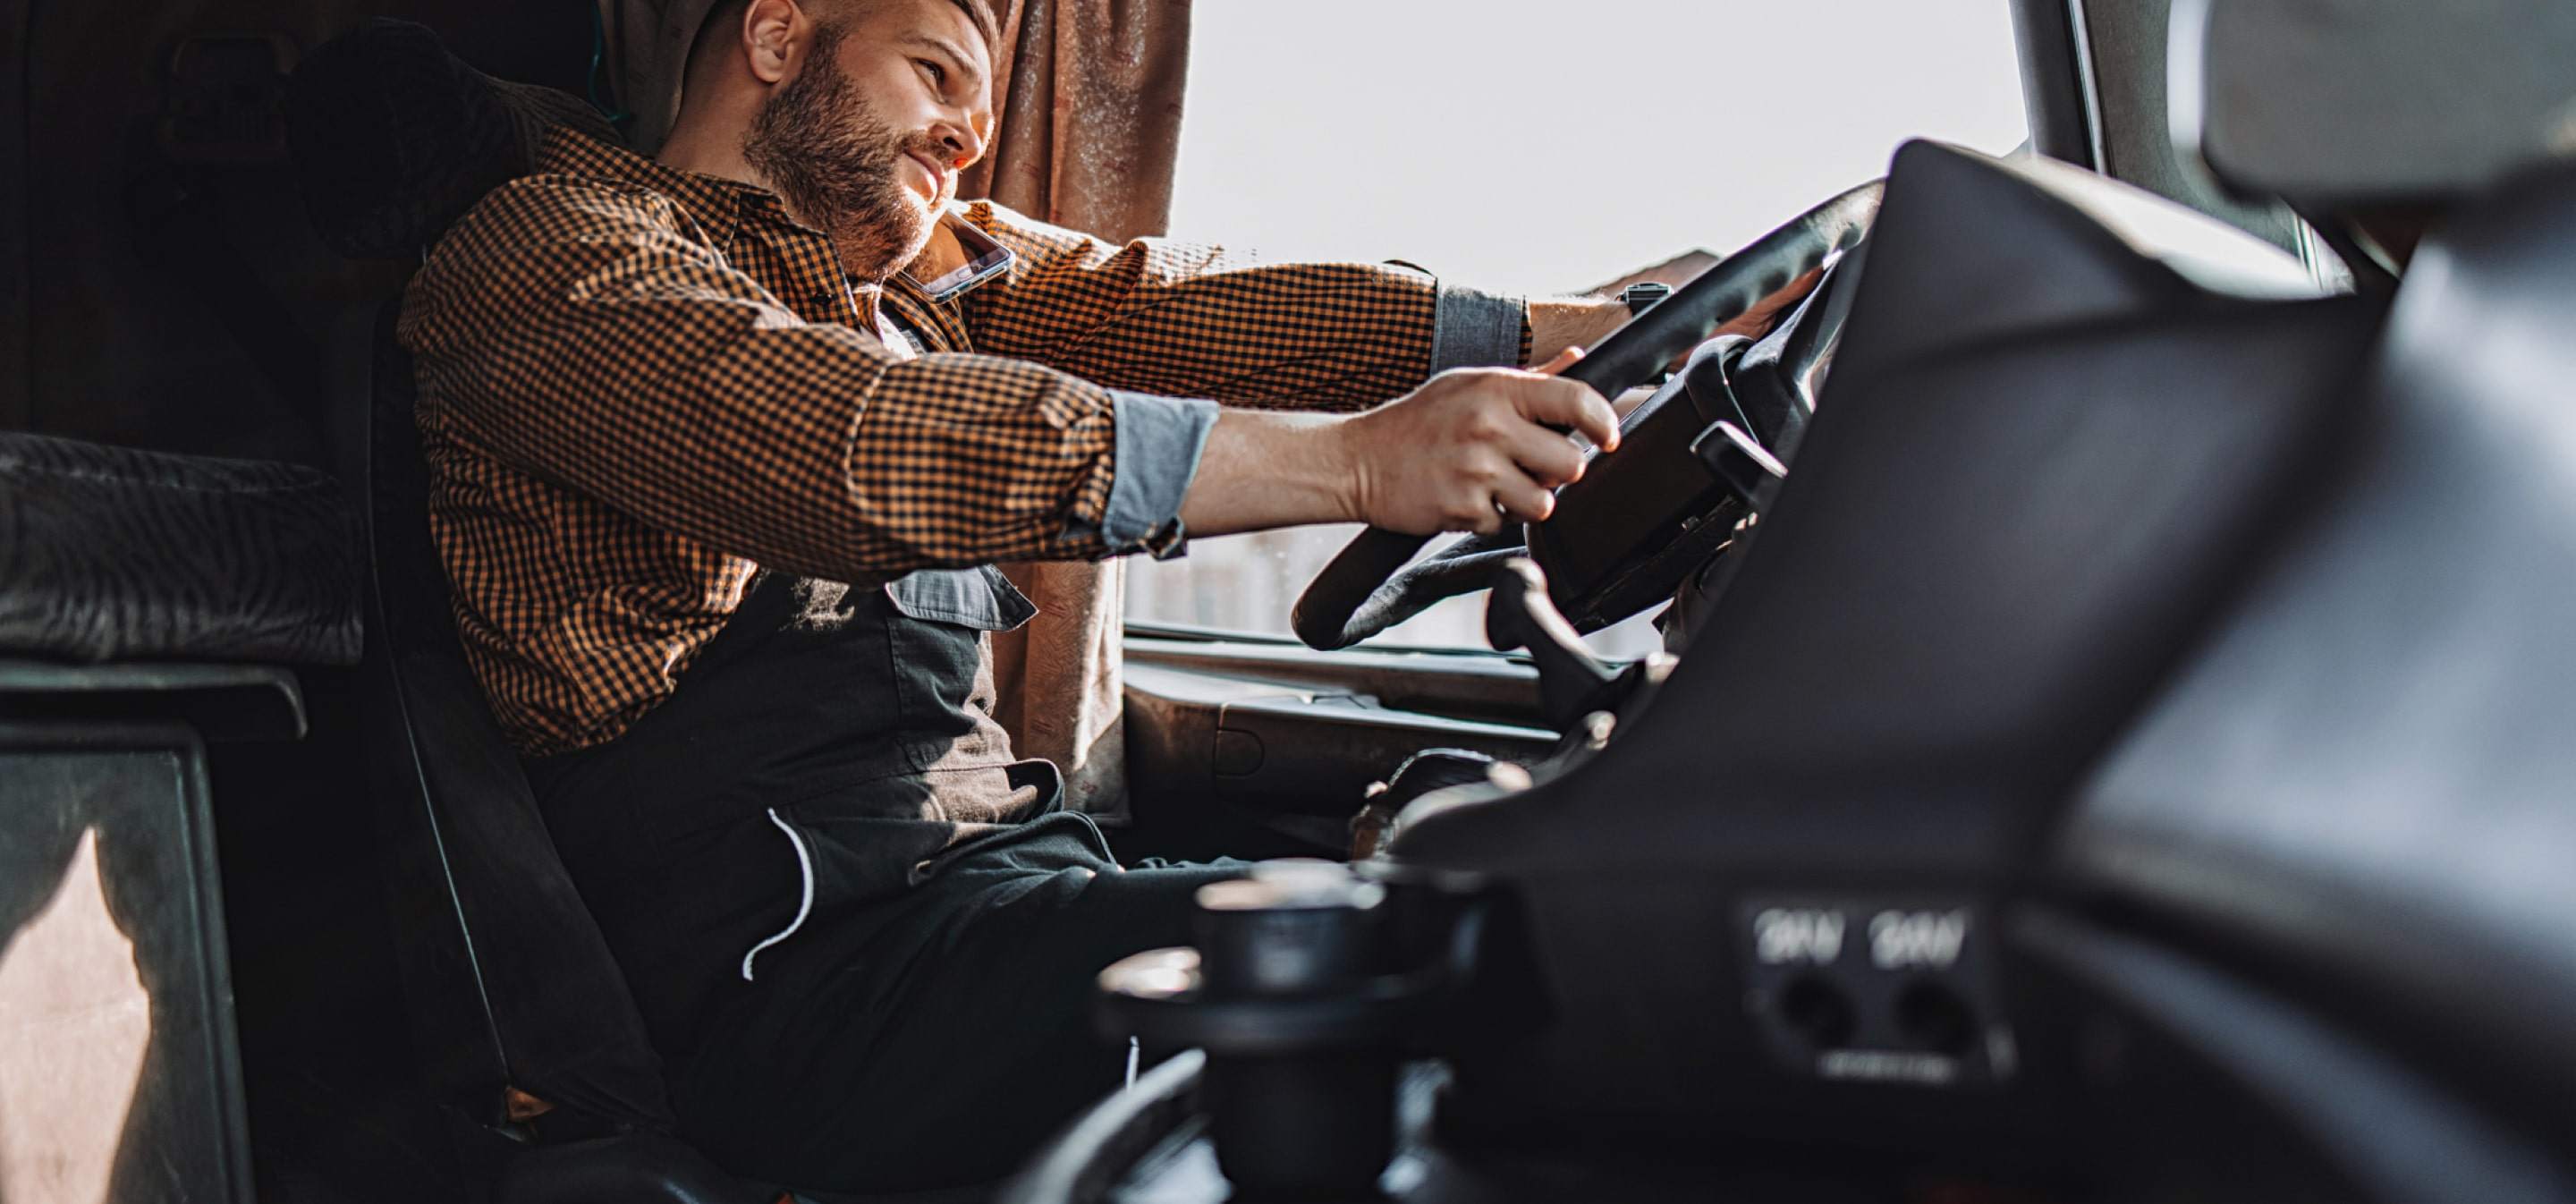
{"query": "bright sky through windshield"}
pixel 1483 140
pixel 1540 148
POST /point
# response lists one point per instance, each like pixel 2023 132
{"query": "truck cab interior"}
pixel 2105 739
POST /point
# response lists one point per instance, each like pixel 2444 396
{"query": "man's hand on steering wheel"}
pixel 1472 449
pixel 1475 449
pixel 1468 451
pixel 1367 586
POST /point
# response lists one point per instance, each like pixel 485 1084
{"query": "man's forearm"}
pixel 1557 323
pixel 1561 322
pixel 1266 469
pixel 1468 451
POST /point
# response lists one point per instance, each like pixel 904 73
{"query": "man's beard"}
pixel 834 162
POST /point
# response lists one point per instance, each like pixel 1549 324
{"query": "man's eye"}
pixel 938 74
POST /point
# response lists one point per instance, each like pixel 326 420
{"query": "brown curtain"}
pixel 1087 101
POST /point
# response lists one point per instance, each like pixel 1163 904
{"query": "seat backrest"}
pixel 510 982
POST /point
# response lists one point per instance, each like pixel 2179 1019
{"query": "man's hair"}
pixel 721 20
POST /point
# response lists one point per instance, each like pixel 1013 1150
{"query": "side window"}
pixel 1539 148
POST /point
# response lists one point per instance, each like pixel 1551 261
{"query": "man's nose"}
pixel 962 144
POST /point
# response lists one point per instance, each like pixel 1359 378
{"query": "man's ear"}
pixel 773 31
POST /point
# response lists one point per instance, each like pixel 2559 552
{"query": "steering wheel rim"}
pixel 1367 588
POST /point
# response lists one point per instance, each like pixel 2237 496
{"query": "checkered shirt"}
pixel 638 385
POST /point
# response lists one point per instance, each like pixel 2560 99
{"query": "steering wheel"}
pixel 1624 510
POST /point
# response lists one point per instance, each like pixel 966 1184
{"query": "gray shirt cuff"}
pixel 1473 329
pixel 1159 440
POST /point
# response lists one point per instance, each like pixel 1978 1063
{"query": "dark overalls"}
pixel 862 935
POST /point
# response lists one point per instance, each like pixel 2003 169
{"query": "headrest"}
pixel 646 44
pixel 2335 103
pixel 394 138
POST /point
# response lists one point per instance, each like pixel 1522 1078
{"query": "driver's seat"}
pixel 524 1028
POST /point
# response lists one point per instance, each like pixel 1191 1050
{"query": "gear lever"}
pixel 1742 464
pixel 1520 615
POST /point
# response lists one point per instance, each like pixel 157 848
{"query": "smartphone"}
pixel 985 259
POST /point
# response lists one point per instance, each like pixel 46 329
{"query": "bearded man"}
pixel 723 444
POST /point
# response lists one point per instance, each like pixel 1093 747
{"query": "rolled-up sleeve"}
pixel 1159 441
pixel 1471 328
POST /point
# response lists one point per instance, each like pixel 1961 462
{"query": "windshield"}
pixel 1540 148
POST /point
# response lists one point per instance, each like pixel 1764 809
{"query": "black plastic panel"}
pixel 2059 429
pixel 2369 771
